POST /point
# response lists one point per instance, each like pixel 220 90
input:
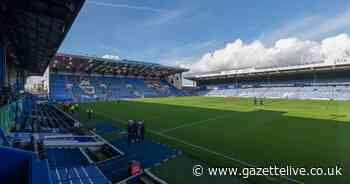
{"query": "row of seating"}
pixel 70 87
pixel 336 92
pixel 46 118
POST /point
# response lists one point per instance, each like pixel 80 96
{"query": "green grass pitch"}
pixel 232 132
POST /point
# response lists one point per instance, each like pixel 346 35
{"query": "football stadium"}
pixel 97 120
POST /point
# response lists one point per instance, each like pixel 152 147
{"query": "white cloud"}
pixel 293 28
pixel 194 47
pixel 108 56
pixel 310 27
pixel 114 5
pixel 165 17
pixel 329 25
pixel 284 52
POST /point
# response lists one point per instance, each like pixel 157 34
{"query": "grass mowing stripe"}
pixel 194 123
pixel 199 147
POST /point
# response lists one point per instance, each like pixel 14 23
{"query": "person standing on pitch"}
pixel 89 111
pixel 77 108
pixel 139 124
pixel 72 108
pixel 129 132
pixel 134 131
pixel 255 101
pixel 142 131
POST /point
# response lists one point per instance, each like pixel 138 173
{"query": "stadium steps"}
pixel 78 175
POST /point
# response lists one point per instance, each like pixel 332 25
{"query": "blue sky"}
pixel 182 31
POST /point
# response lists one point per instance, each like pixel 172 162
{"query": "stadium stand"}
pixel 40 143
pixel 69 155
pixel 82 78
pixel 323 82
pixel 103 88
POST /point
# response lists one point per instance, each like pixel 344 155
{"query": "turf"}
pixel 301 133
pixel 171 173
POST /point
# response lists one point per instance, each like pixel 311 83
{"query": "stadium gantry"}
pixel 40 142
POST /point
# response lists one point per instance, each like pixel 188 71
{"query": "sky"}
pixel 207 35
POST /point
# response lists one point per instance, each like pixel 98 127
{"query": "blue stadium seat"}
pixel 76 88
pixel 322 89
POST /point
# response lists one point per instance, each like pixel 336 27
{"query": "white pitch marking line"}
pixel 192 124
pixel 218 154
pixel 206 150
